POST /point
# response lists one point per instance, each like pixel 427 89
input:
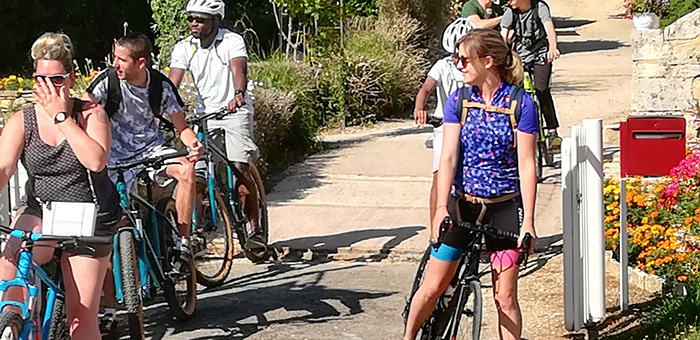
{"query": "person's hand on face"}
pixel 51 88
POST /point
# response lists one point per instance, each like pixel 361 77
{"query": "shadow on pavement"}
pixel 568 22
pixel 295 182
pixel 332 242
pixel 252 302
pixel 567 47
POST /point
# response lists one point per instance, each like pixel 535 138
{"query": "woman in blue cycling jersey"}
pixel 495 166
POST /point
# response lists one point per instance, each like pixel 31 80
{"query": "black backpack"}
pixel 155 94
pixel 516 98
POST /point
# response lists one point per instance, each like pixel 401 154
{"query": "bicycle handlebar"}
pixel 152 161
pixel 219 114
pixel 62 240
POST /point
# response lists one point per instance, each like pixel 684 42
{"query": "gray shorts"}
pixel 238 128
pixel 157 175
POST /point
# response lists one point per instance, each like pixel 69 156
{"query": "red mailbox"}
pixel 651 145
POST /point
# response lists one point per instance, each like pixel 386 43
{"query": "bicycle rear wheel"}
pixel 539 160
pixel 11 324
pixel 212 244
pixel 131 285
pixel 467 315
pixel 180 289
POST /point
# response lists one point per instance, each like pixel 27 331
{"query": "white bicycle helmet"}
pixel 455 31
pixel 213 7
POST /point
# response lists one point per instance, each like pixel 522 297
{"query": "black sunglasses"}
pixel 56 79
pixel 198 19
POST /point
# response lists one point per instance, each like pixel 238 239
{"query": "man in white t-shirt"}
pixel 444 78
pixel 218 61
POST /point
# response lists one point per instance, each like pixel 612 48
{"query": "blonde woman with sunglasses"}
pixel 61 141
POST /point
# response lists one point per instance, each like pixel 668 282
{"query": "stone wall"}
pixel 667 67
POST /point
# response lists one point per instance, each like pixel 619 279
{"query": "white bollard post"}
pixel 595 234
pixel 573 284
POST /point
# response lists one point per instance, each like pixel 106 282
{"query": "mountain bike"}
pixel 458 313
pixel 144 250
pixel 221 211
pixel 42 313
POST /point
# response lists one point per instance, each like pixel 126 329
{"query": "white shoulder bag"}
pixel 70 218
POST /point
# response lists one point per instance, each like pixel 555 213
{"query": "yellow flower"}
pixel 20 89
pixel 645 220
pixel 12 77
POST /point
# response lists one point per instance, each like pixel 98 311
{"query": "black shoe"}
pixel 181 260
pixel 255 241
pixel 108 327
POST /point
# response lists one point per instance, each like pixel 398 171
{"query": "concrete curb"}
pixel 637 278
pixel 402 131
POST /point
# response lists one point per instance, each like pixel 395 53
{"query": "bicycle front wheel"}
pixel 426 330
pixel 467 315
pixel 179 288
pixel 259 254
pixel 131 285
pixel 212 241
pixel 10 325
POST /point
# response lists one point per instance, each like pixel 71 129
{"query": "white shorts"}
pixel 437 147
pixel 238 127
pixel 157 175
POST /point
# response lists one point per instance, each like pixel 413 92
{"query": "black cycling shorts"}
pixel 507 216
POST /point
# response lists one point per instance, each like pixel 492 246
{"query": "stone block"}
pixel 684 71
pixel 684 28
pixel 686 51
pixel 660 94
pixel 649 45
pixel 650 69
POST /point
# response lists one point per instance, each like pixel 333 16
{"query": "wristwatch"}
pixel 60 117
pixel 240 91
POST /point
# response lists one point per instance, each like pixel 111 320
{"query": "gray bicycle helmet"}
pixel 455 31
pixel 213 7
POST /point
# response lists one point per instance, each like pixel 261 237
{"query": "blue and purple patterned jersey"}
pixel 488 158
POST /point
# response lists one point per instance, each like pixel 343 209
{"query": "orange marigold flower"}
pixel 688 220
pixel 682 278
pixel 654 214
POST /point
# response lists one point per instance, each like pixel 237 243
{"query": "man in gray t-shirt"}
pixel 527 24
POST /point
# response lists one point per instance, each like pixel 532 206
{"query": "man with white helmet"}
pixel 218 61
pixel 445 78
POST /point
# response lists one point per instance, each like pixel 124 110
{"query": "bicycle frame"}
pixel 149 253
pixel 27 271
pixel 212 153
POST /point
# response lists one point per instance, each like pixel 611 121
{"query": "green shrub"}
pixel 171 25
pixel 678 9
pixel 382 66
pixel 287 111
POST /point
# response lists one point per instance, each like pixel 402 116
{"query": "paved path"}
pixel 367 200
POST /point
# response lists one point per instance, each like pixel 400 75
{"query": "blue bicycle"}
pixel 42 315
pixel 144 250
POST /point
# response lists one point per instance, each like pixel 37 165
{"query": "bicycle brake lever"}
pixel 524 250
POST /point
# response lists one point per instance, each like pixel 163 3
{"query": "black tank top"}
pixel 56 174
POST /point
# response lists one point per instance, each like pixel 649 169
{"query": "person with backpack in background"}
pixel 444 78
pixel 528 26
pixel 482 13
pixel 486 173
pixel 134 95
